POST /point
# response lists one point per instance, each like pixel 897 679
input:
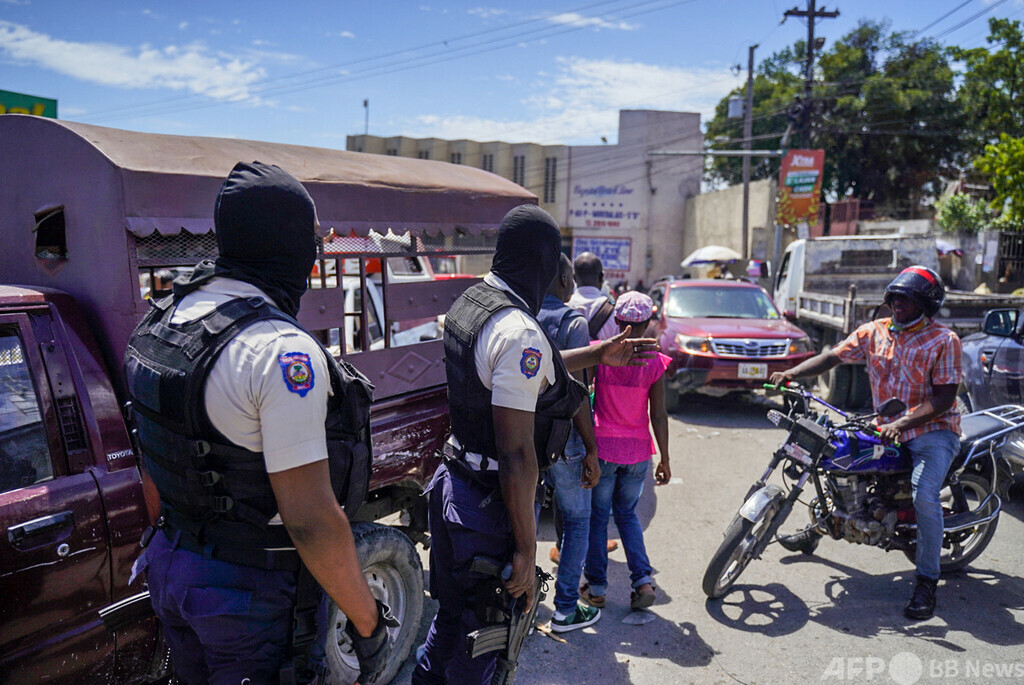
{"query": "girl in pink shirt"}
pixel 627 401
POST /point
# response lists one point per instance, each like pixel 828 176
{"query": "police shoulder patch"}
pixel 530 363
pixel 297 371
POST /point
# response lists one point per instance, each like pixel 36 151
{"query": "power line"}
pixel 955 9
pixel 967 21
pixel 442 53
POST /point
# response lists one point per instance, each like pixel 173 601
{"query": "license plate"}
pixel 752 371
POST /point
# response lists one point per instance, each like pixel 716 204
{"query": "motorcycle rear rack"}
pixel 998 422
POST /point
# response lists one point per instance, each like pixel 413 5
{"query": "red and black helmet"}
pixel 920 285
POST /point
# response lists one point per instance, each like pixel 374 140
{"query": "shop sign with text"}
pixel 19 103
pixel 800 187
pixel 613 252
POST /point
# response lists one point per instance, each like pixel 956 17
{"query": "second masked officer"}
pixel 511 401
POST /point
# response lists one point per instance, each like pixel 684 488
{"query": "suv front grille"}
pixel 750 348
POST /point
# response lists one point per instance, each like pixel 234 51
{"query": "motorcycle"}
pixel 862 489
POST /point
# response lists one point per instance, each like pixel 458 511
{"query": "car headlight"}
pixel 692 344
pixel 799 346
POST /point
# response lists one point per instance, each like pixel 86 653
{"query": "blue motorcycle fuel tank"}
pixel 871 455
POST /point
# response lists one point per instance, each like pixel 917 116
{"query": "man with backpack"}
pixel 243 418
pixel 590 300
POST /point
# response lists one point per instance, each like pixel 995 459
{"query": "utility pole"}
pixel 812 14
pixel 748 129
pixel 366 106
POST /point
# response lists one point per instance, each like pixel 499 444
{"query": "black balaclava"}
pixel 526 256
pixel 266 232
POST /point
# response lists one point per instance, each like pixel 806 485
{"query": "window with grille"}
pixel 24 448
pixel 51 239
pixel 423 154
pixel 456 158
pixel 519 169
pixel 550 164
pixel 392 152
pixel 488 163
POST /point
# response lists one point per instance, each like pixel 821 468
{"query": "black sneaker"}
pixel 805 540
pixel 581 618
pixel 922 603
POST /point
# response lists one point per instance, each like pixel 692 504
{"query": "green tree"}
pixel 993 83
pixel 960 213
pixel 1003 164
pixel 884 110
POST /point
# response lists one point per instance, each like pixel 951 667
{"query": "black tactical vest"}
pixel 469 400
pixel 217 494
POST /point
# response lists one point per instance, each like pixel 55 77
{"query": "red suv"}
pixel 722 335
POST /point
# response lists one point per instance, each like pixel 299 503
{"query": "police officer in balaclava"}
pixel 230 397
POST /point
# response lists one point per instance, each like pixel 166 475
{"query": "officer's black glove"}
pixel 373 652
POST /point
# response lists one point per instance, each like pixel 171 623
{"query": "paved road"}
pixel 834 617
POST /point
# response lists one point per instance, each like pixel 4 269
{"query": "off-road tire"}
pixel 393 569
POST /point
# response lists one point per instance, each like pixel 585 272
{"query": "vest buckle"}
pixel 222 504
pixel 209 478
pixel 200 448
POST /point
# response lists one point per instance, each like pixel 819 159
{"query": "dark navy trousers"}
pixel 224 623
pixel 466 520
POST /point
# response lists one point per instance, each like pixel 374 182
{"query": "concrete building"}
pixel 614 200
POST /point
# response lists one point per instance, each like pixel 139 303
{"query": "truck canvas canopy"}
pixel 94 211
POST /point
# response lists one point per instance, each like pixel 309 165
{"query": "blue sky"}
pixel 298 72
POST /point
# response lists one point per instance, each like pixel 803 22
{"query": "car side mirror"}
pixel 766 271
pixel 891 407
pixel 1000 322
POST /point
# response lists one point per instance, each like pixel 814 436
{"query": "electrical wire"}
pixel 439 55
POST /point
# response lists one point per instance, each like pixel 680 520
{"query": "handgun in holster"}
pixel 512 622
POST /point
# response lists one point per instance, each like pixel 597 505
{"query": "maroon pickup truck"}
pixel 90 216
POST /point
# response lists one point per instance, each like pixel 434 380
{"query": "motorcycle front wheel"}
pixel 742 539
pixel 962 547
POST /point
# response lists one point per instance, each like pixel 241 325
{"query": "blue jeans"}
pixel 616 494
pixel 573 501
pixel 932 455
pixel 224 623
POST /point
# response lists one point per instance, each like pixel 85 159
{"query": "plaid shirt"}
pixel 907 365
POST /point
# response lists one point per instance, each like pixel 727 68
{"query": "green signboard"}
pixel 19 103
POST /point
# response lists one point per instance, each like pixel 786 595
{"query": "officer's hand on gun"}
pixel 522 578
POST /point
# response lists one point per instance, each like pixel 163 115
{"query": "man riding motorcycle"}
pixel 912 358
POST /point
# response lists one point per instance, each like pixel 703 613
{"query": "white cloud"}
pixel 486 12
pixel 580 102
pixel 182 26
pixel 574 19
pixel 191 67
pixel 340 34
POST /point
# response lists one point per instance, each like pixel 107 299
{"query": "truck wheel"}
pixel 860 388
pixel 671 399
pixel 834 385
pixel 964 405
pixel 395 575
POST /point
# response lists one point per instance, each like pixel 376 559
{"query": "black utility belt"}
pixel 456 463
pixel 268 559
